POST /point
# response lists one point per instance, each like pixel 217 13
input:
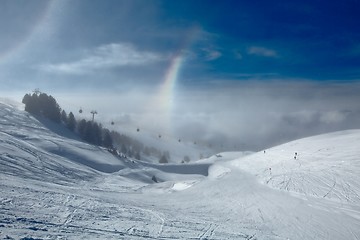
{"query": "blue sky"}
pixel 233 40
pixel 120 50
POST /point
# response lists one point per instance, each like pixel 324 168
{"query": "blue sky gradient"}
pixel 234 40
pixel 116 47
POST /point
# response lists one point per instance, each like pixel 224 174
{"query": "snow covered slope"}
pixel 54 186
pixel 27 141
pixel 325 166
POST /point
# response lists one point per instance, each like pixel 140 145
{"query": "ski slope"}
pixel 54 186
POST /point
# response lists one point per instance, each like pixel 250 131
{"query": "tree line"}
pixel 46 106
pixel 41 104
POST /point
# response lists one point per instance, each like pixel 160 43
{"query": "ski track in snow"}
pixel 53 187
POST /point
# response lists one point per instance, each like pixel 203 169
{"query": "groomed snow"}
pixel 54 186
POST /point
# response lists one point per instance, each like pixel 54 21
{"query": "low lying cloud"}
pixel 257 115
pixel 235 115
pixel 104 57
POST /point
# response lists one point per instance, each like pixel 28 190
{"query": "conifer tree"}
pixel 63 116
pixel 71 122
pixel 163 159
pixel 107 140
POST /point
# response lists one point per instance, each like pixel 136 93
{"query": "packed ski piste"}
pixel 56 186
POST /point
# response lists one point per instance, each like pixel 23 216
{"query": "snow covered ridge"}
pixel 326 166
pixel 54 186
pixel 26 142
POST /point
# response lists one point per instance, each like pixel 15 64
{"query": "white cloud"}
pixel 104 57
pixel 211 54
pixel 261 51
pixel 251 115
pixel 331 117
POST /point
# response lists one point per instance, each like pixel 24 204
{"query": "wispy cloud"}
pixel 211 54
pixel 262 51
pixel 104 57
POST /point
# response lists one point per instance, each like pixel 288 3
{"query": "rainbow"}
pixel 167 89
pixel 165 101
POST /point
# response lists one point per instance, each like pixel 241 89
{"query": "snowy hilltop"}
pixel 56 186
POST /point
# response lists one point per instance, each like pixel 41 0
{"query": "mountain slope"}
pixel 57 187
pixel 30 149
pixel 326 166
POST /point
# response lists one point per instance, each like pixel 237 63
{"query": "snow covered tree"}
pixel 81 128
pixel 31 103
pixel 43 105
pixel 49 108
pixel 147 151
pixel 137 156
pixel 26 99
pixel 92 133
pixel 107 140
pixel 163 159
pixel 167 155
pixel 71 122
pixel 124 149
pixel 63 116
